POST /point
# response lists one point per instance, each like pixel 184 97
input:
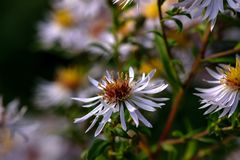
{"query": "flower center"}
pixel 232 78
pixel 64 18
pixel 69 77
pixel 151 10
pixel 117 90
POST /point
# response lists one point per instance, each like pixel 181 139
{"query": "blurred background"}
pixel 43 63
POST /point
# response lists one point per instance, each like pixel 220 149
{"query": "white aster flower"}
pixel 121 93
pixel 10 115
pixel 226 94
pixel 208 9
pixel 59 92
pixel 50 94
pixel 70 25
pixel 11 125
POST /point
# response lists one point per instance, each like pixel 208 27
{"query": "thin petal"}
pixel 87 100
pixel 122 118
pixel 103 122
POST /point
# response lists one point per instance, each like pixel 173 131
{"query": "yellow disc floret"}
pixel 151 10
pixel 232 77
pixel 64 18
pixel 69 77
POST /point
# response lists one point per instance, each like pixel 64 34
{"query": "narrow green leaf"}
pixel 169 67
pixel 97 149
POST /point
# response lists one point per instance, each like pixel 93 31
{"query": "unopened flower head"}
pixel 208 9
pixel 226 94
pixel 121 93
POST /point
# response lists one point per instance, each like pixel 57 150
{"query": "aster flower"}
pixel 226 94
pixel 9 116
pixel 59 92
pixel 11 124
pixel 208 9
pixel 70 23
pixel 121 94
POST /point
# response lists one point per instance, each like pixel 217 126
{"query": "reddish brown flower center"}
pixel 118 90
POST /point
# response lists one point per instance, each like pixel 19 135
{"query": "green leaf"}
pixel 97 149
pixel 120 132
pixel 177 133
pixel 179 23
pixel 169 148
pixel 156 32
pixel 190 151
pixel 169 67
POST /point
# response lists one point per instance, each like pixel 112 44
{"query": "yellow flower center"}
pixel 232 78
pixel 118 90
pixel 69 77
pixel 151 10
pixel 64 18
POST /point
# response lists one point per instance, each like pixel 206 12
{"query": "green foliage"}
pixel 98 150
pixel 170 70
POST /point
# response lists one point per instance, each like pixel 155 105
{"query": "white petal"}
pixel 131 74
pixel 205 105
pixel 145 101
pixel 143 106
pixel 95 110
pixel 122 118
pixel 94 82
pixel 155 90
pixel 225 111
pixel 130 107
pixel 233 107
pixel 138 88
pixel 92 124
pixel 132 112
pixel 156 99
pixel 87 100
pixel 90 105
pixel 143 119
pixel 214 74
pixel 211 109
pixel 103 122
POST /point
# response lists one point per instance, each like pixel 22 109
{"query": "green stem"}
pixel 163 29
pixel 181 92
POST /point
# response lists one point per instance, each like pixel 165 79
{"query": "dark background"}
pixel 22 63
